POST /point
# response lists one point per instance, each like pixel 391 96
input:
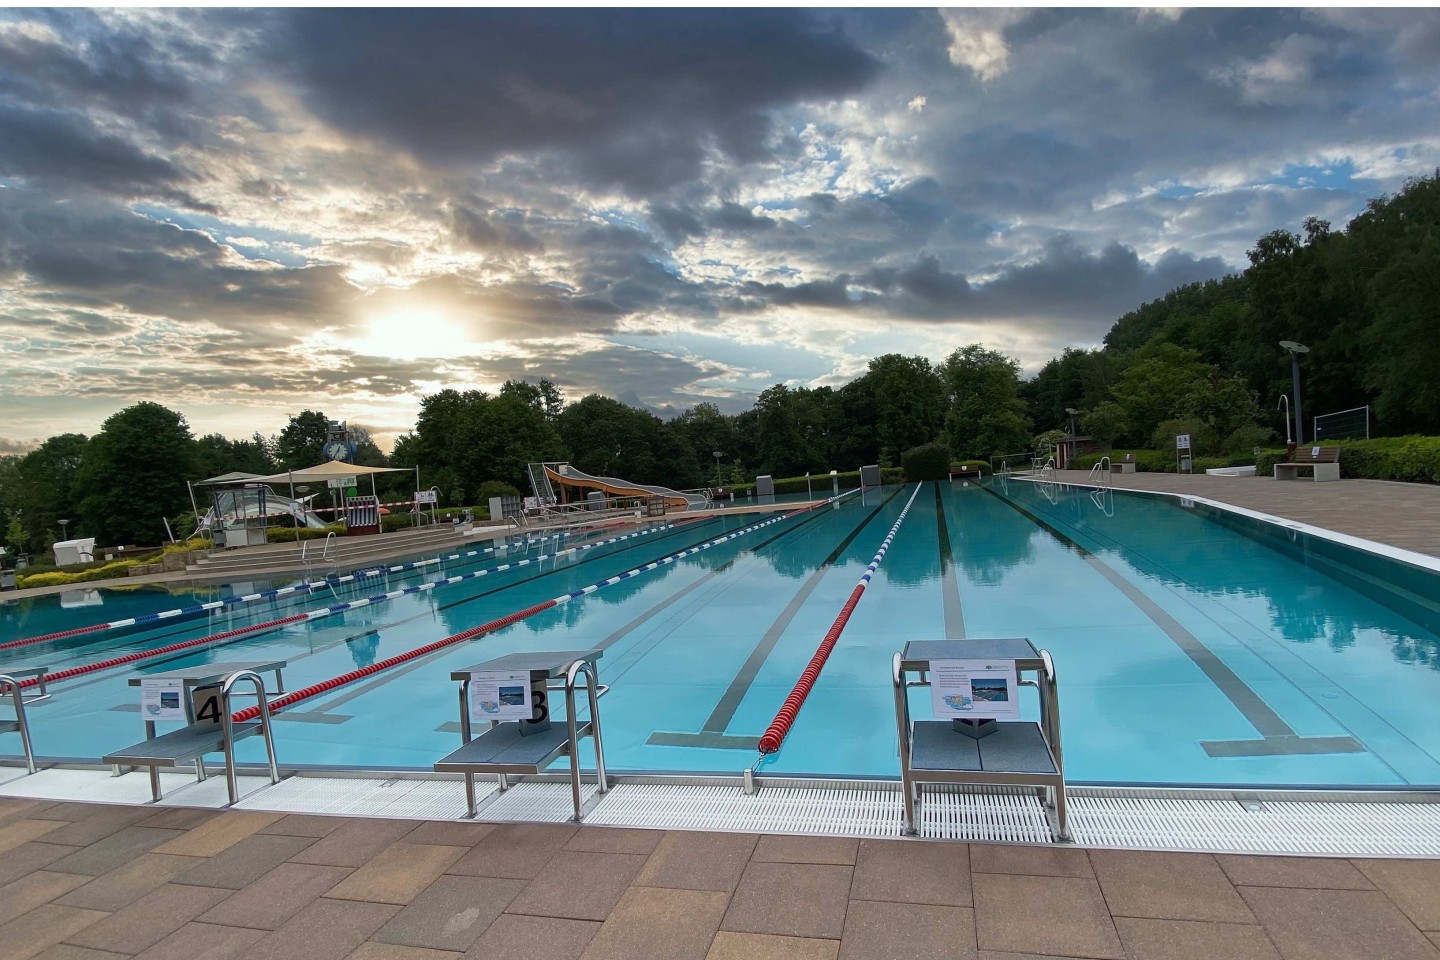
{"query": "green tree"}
pixel 134 473
pixel 908 403
pixel 985 414
pixel 302 443
pixel 1156 383
pixel 45 487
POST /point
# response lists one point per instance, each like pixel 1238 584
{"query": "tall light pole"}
pixel 63 525
pixel 718 482
pixel 1072 411
pixel 1295 350
pixel 1070 440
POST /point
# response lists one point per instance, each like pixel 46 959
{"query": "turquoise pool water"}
pixel 1192 646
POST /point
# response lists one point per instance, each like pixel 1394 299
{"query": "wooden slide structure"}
pixel 566 475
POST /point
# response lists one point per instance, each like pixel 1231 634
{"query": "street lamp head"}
pixel 1071 410
pixel 717 454
pixel 1294 347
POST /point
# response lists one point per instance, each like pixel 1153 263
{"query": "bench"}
pixel 1124 466
pixel 1322 462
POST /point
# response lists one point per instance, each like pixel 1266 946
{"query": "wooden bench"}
pixel 1322 462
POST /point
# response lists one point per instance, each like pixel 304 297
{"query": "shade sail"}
pixel 232 477
pixel 334 470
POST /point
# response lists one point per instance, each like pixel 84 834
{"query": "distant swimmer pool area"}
pixel 1192 645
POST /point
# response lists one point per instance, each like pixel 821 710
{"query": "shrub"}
pixel 820 482
pixel 495 488
pixel 296 534
pixel 929 461
pixel 57 578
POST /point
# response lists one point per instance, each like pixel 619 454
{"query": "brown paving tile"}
pixel 1336 925
pixel 304 825
pixel 218 834
pixel 1184 939
pixel 790 899
pixel 763 946
pixel 1434 938
pixel 97 823
pixel 660 923
pixel 1412 885
pixel 1028 860
pixel 451 913
pixel 615 840
pixel 23 831
pixel 179 818
pixel 916 931
pixel 684 860
pixel 64 951
pixel 518 851
pixel 1051 916
pixel 42 928
pixel 577 885
pixel 148 920
pixel 1167 886
pixel 276 897
pixel 391 951
pixel 33 889
pixel 115 850
pixel 397 873
pixel 1313 872
pixel 353 843
pixel 913 871
pixel 20 808
pixel 1003 955
pixel 245 862
pixel 517 937
pixel 834 850
pixel 204 941
pixel 129 882
pixel 324 930
pixel 450 833
pixel 29 857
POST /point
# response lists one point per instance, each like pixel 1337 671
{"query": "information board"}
pixel 161 699
pixel 1182 442
pixel 426 496
pixel 975 689
pixel 500 695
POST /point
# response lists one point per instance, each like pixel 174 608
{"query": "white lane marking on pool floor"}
pixel 1319 828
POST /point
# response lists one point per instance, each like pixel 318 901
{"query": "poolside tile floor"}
pixel 93 884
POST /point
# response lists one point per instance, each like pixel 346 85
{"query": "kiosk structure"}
pixel 979 739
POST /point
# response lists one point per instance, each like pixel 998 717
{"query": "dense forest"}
pixel 1204 359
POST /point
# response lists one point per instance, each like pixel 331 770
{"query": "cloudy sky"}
pixel 244 214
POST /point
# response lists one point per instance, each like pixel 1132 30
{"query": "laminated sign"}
pixel 160 699
pixel 500 695
pixel 975 689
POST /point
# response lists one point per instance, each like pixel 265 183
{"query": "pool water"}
pixel 1191 646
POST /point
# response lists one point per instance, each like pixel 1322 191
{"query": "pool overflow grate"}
pixel 1098 818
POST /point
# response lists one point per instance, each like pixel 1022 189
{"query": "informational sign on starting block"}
pixel 975 689
pixel 161 699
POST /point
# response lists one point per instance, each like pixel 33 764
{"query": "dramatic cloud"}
pixel 246 213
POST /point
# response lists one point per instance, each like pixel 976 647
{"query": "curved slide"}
pixel 245 503
pixel 566 474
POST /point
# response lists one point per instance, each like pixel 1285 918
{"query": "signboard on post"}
pixel 340 483
pixel 1182 442
pixel 427 496
pixel 975 689
pixel 1182 453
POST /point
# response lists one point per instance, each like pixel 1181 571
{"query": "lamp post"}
pixel 63 525
pixel 718 482
pixel 1070 440
pixel 809 494
pixel 1295 350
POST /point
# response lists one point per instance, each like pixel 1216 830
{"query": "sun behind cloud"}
pixel 411 331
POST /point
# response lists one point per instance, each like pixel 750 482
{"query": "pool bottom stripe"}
pixel 949 586
pixel 1278 738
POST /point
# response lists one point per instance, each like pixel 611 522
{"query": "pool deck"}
pixel 96 882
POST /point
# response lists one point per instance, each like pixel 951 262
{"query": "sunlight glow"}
pixel 411 332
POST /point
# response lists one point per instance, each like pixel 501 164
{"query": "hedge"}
pixel 929 461
pixel 56 578
pixel 820 482
pixel 1412 459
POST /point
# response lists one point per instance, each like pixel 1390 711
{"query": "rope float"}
pixel 263 595
pixel 785 718
pixel 305 693
pixel 317 614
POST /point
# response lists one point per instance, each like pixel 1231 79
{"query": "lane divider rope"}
pixel 319 613
pixel 309 587
pixel 305 693
pixel 785 718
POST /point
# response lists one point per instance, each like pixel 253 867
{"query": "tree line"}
pixel 1204 359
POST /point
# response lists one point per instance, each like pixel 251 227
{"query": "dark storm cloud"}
pixel 492 231
pixel 637 96
pixel 90 253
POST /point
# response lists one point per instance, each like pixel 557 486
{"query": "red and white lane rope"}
pixel 785 718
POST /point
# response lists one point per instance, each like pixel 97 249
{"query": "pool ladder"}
pixel 1100 473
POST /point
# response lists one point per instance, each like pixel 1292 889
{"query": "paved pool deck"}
pixel 94 882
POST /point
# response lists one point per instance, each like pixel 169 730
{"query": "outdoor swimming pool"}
pixel 1191 647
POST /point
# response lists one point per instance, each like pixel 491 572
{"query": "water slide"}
pixel 566 474
pixel 244 504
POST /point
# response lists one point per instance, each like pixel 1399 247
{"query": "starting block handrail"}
pixel 21 725
pixel 228 726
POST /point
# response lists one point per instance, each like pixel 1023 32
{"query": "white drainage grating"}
pixel 954 815
pixel 861 811
pixel 537 802
pixel 411 799
pixel 99 786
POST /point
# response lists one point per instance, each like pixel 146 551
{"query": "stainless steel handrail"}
pixel 227 726
pixel 592 684
pixel 8 681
